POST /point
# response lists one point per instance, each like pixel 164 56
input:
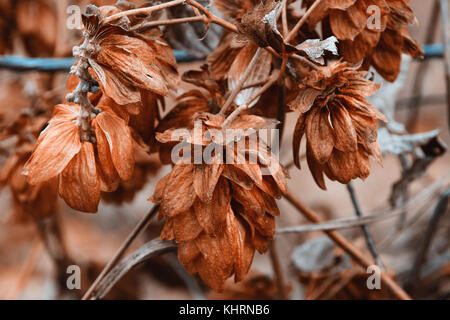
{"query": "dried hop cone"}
pixel 126 62
pixel 219 212
pixel 373 31
pixel 84 168
pixel 340 125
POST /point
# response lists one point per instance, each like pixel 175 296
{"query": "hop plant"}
pixel 124 105
pixel 220 213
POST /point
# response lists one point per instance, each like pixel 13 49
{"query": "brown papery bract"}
pixel 380 46
pixel 339 124
pixel 124 115
pixel 125 62
pixel 83 168
pixel 220 213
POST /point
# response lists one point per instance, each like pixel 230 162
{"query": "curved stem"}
pixel 147 251
pixel 123 248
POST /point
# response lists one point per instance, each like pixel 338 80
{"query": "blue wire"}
pixel 63 64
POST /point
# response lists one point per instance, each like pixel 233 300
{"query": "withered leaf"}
pixel 79 185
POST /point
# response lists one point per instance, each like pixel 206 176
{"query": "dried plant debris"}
pixel 315 49
pixel 422 148
pixel 319 255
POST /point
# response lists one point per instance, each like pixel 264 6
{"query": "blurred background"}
pixel 35 253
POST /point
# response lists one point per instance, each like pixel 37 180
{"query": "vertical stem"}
pixel 365 229
pixel 446 42
pixel 80 95
pixel 284 18
pixel 281 114
pixel 438 214
pixel 415 103
pixel 277 271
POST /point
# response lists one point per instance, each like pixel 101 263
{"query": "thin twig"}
pixel 146 10
pixel 369 240
pixel 284 18
pixel 281 113
pixel 320 289
pixel 346 277
pixel 234 115
pixel 439 212
pixel 147 251
pixel 446 41
pixel 306 61
pixel 423 209
pixel 242 108
pixel 277 271
pixel 152 24
pixel 141 226
pixel 213 18
pixel 241 82
pixel 423 199
pixel 300 23
pixel 255 84
pixel 416 102
pixel 51 236
pixel 347 246
pixel 341 224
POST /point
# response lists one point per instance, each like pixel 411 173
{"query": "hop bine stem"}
pixel 273 78
pixel 140 227
pixel 347 246
pixel 241 82
pixel 80 95
pixel 302 21
pixel 146 10
pixel 205 16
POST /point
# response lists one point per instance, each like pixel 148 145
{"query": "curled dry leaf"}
pixel 260 26
pixel 315 49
